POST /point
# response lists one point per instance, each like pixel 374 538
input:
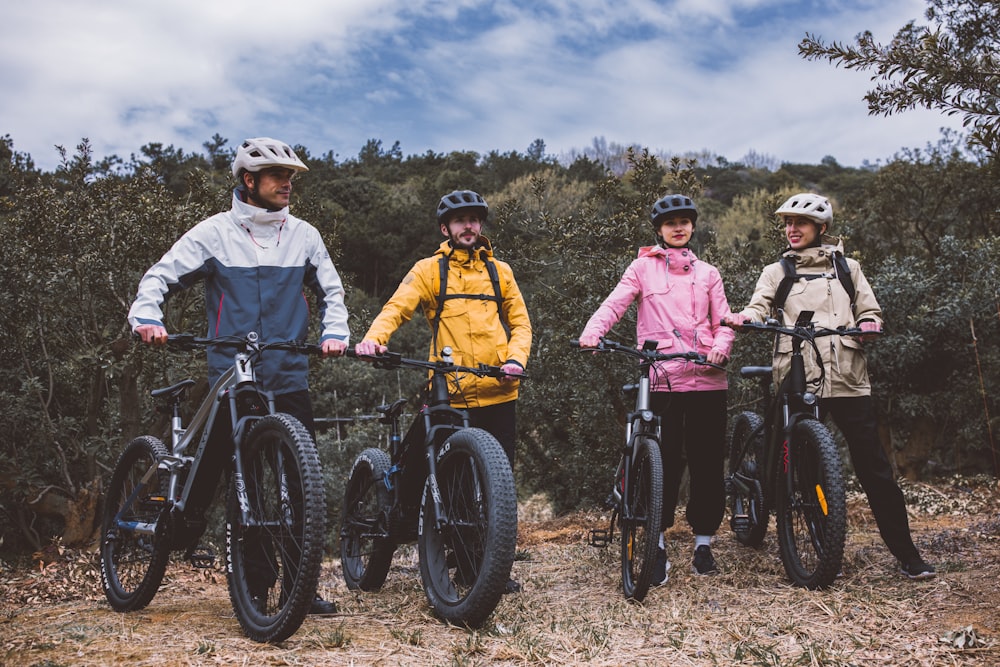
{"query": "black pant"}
pixel 855 417
pixel 500 420
pixel 693 427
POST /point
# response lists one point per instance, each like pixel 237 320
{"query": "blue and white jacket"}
pixel 257 266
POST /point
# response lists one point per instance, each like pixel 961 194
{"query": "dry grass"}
pixel 572 610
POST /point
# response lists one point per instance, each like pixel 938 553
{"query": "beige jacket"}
pixel 844 356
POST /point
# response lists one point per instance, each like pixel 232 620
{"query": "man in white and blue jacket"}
pixel 258 263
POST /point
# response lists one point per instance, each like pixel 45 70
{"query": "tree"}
pixel 952 66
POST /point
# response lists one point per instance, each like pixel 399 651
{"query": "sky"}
pixel 675 76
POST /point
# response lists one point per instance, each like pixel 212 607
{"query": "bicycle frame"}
pixel 791 402
pixel 238 380
pixel 640 422
pixel 435 422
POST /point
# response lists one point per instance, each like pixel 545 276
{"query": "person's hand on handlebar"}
pixel 369 348
pixel 511 369
pixel 590 340
pixel 716 358
pixel 152 334
pixel 873 329
pixel 734 320
pixel 332 347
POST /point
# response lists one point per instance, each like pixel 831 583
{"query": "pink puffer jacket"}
pixel 681 301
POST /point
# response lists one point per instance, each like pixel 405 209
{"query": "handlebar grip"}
pixel 574 342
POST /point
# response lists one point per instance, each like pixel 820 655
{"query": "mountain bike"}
pixel 446 486
pixel 636 498
pixel 787 461
pixel 275 506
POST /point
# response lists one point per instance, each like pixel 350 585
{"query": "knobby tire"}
pixel 274 559
pixel 640 520
pixel 133 564
pixel 812 522
pixel 465 562
pixel 365 546
pixel 746 465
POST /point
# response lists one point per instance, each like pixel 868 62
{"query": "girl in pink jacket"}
pixel 681 303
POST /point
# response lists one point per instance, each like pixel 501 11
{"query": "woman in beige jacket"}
pixel 846 392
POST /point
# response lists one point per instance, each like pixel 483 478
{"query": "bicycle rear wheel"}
pixel 812 520
pixel 133 559
pixel 744 484
pixel 465 560
pixel 365 546
pixel 640 519
pixel 274 543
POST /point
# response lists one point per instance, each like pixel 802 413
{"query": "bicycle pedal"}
pixel 740 523
pixel 202 557
pixel 600 538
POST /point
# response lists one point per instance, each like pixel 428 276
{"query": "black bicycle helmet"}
pixel 669 206
pixel 461 201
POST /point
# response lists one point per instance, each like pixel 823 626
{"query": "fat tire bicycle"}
pixel 636 497
pixel 787 461
pixel 445 485
pixel 275 504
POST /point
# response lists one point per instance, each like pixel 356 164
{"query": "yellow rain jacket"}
pixel 470 325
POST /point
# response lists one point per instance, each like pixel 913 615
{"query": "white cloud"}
pixel 681 75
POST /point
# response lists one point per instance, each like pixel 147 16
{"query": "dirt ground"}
pixel 572 610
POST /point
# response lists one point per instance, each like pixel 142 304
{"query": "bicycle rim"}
pixel 640 520
pixel 133 564
pixel 274 557
pixel 465 561
pixel 812 520
pixel 365 547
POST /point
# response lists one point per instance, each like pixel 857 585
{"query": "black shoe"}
pixel 703 562
pixel 321 607
pixel 917 569
pixel 259 603
pixel 511 587
pixel 660 568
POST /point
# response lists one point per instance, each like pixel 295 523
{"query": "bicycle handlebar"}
pixel 248 343
pixel 392 360
pixel 806 332
pixel 649 356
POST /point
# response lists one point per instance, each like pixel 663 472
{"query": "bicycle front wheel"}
pixel 275 529
pixel 134 549
pixel 640 519
pixel 744 484
pixel 466 553
pixel 365 546
pixel 812 517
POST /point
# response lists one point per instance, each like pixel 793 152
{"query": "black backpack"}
pixel 788 264
pixel 496 297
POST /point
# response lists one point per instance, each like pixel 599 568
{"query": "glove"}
pixel 512 370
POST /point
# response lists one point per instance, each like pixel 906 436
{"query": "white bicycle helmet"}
pixel 256 154
pixel 810 205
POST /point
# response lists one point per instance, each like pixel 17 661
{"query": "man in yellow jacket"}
pixel 483 320
pixel 482 316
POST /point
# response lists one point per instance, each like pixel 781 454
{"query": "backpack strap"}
pixel 788 264
pixel 443 296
